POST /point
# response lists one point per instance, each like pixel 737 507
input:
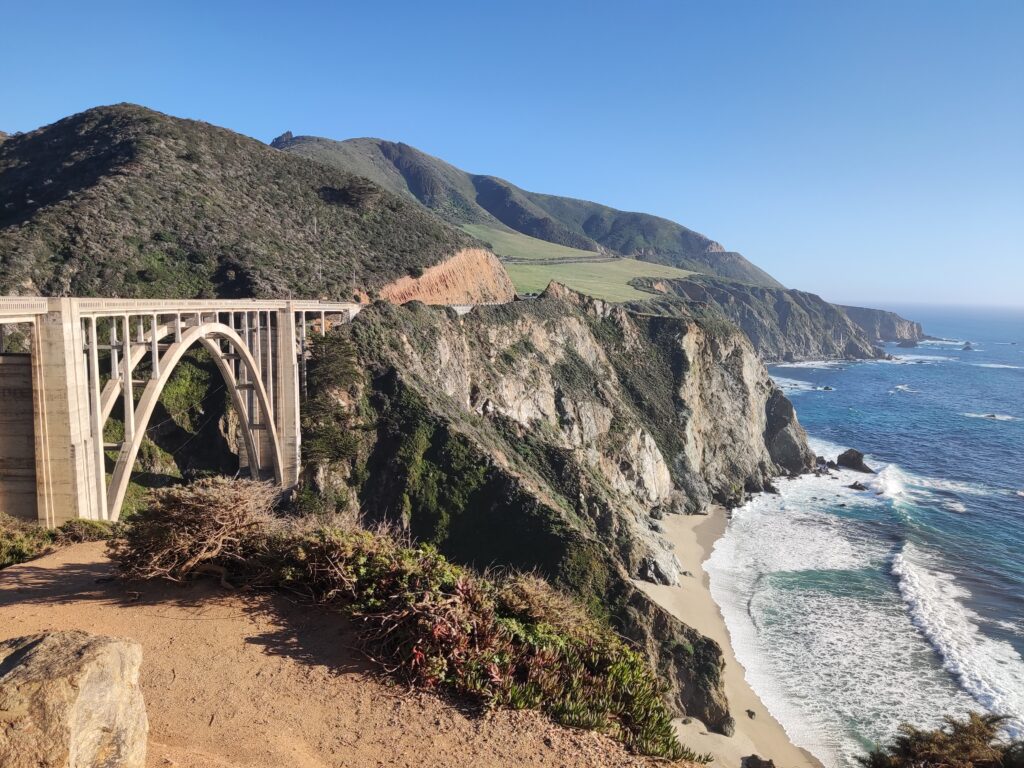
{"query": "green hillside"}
pixel 516 246
pixel 533 263
pixel 466 198
pixel 124 201
pixel 603 279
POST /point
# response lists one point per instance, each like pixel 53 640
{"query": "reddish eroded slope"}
pixel 471 276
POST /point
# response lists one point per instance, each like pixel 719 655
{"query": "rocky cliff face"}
pixel 553 434
pixel 471 276
pixel 781 324
pixel 884 326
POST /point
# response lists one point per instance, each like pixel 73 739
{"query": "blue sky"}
pixel 868 151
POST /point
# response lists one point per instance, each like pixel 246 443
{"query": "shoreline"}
pixel 693 537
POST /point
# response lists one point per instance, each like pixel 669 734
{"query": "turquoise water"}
pixel 855 611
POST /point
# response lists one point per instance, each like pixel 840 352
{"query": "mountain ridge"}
pixel 466 198
pixel 122 200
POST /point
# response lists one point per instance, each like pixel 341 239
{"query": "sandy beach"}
pixel 693 537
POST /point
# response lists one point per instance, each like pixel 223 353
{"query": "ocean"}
pixel 853 611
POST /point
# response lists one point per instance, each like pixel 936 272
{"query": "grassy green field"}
pixel 513 245
pixel 590 272
pixel 603 279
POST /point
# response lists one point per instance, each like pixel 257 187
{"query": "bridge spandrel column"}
pixel 65 456
pixel 286 386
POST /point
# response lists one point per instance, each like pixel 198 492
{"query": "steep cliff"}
pixel 884 326
pixel 781 324
pixel 553 434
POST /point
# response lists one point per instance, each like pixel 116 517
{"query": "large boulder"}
pixel 854 459
pixel 785 438
pixel 71 700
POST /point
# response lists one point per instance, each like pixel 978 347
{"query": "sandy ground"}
pixel 243 679
pixel 693 537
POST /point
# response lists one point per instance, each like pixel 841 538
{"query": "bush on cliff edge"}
pixel 973 742
pixel 503 641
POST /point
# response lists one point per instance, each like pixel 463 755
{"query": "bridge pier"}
pixel 289 427
pixel 65 457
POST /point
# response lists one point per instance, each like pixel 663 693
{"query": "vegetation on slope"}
pixel 125 201
pixel 514 246
pixel 973 742
pixel 474 199
pixel 511 641
pixel 554 438
pixel 608 279
pixel 533 264
pixel 20 541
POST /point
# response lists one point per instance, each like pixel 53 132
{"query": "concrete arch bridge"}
pixel 89 355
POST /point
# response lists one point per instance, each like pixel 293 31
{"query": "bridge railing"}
pixel 21 309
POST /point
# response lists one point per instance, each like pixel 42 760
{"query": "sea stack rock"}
pixel 71 699
pixel 854 459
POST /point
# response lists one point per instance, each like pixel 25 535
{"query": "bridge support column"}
pixel 65 454
pixel 286 386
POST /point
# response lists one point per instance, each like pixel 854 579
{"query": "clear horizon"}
pixel 871 153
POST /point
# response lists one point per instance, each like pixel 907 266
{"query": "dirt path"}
pixel 254 680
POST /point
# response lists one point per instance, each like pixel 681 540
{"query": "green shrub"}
pixel 511 641
pixel 973 742
pixel 21 541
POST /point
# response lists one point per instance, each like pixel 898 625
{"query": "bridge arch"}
pixel 85 359
pixel 209 335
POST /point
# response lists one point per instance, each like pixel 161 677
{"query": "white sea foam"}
pixel 955 506
pixel 905 388
pixel 784 576
pixel 941 343
pixel 992 416
pixel 917 360
pixel 793 386
pixel 998 365
pixel 991 670
pixel 1016 628
pixel 1021 494
pixel 827 448
pixel 923 485
pixel 814 364
pixel 890 482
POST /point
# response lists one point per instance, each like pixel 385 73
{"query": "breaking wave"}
pixel 991 670
pixel 992 416
pixel 812 619
pixel 906 388
pixel 814 364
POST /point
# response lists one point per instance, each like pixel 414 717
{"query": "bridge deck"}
pixel 21 309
